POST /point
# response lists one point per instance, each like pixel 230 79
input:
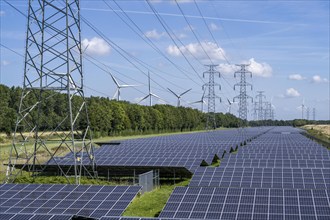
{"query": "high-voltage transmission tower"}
pixel 260 105
pixel 307 113
pixel 268 109
pixel 53 68
pixel 242 97
pixel 314 114
pixel 211 96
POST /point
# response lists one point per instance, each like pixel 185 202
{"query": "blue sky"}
pixel 286 43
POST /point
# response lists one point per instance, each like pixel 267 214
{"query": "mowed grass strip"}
pixel 150 204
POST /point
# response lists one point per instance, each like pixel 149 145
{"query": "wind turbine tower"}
pixel 202 101
pixel 178 95
pixel 150 94
pixel 117 93
pixel 302 106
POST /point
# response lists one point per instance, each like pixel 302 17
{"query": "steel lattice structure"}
pixel 53 67
pixel 260 105
pixel 211 96
pixel 307 113
pixel 242 97
pixel 314 114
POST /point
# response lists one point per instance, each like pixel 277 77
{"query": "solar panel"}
pixel 247 203
pixel 34 217
pixel 297 178
pixel 183 150
pixel 83 200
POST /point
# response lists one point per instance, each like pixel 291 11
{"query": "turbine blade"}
pixel 200 101
pixel 156 96
pixel 125 86
pixel 184 92
pixel 173 92
pixel 114 79
pixel 144 98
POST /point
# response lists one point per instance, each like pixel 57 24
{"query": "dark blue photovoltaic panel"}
pixel 34 217
pixel 296 178
pixel 68 200
pixel 247 203
pixel 182 150
pixel 279 175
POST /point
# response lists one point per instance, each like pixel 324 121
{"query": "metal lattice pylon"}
pixel 242 97
pixel 260 105
pixel 211 96
pixel 53 68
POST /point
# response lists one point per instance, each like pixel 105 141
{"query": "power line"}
pixel 200 13
pixel 166 28
pixel 148 41
pixel 192 30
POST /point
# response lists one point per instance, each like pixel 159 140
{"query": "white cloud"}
pixel 319 79
pixel 213 27
pixel 173 50
pixel 296 77
pixel 227 69
pixel 5 62
pixel 95 46
pixel 181 36
pixel 189 28
pixel 154 34
pixel 291 93
pixel 2 13
pixel 259 69
pixel 197 50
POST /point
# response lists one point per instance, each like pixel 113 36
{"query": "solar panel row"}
pixel 83 200
pixel 4 216
pixel 279 175
pixel 279 156
pixel 247 203
pixel 185 150
pixel 297 178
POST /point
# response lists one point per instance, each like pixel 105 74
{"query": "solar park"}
pixel 265 173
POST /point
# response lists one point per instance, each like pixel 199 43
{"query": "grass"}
pixel 150 204
pixel 216 164
pixel 321 132
pixel 25 178
pixel 119 138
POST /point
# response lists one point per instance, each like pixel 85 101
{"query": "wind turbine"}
pixel 178 96
pixel 302 106
pixel 229 105
pixel 150 95
pixel 117 93
pixel 200 101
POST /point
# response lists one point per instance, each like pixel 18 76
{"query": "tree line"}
pixel 110 117
pixel 294 123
